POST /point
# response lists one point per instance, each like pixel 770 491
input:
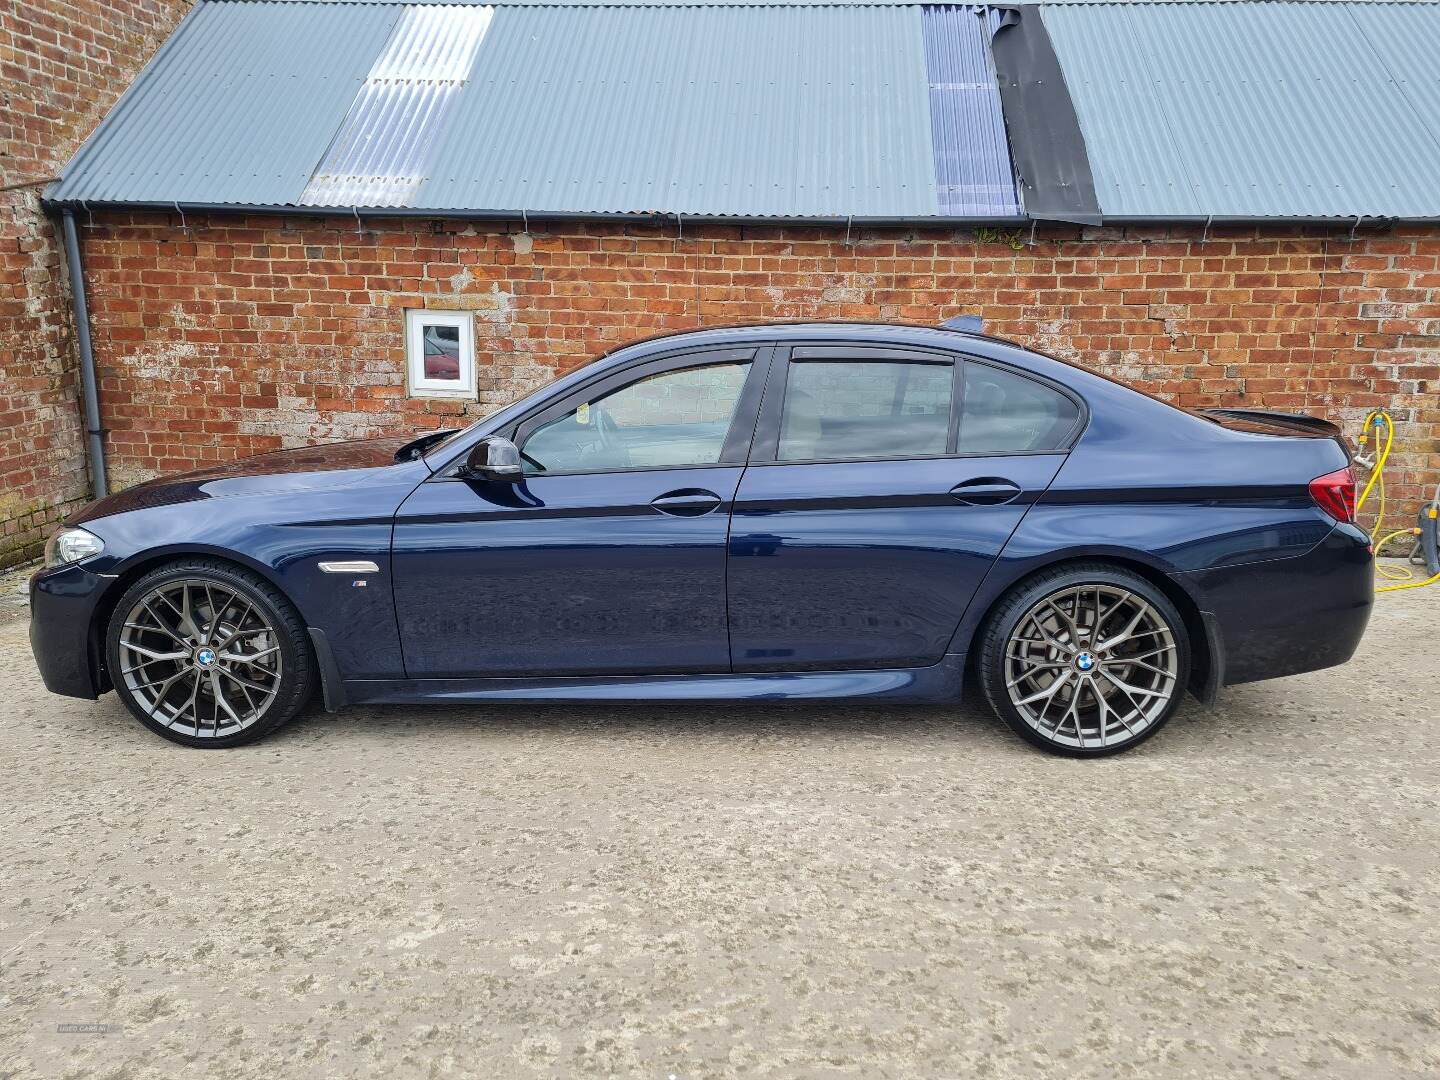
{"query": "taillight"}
pixel 1335 494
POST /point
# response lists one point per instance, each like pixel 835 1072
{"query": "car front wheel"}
pixel 207 654
pixel 1085 660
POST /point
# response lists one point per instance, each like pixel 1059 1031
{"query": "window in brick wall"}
pixel 440 349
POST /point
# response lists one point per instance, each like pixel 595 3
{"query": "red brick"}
pixel 65 62
pixel 319 350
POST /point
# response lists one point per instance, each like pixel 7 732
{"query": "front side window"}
pixel 670 419
pixel 440 348
pixel 1005 413
pixel 846 409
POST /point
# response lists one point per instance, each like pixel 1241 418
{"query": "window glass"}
pixel 1004 413
pixel 441 353
pixel 865 409
pixel 673 418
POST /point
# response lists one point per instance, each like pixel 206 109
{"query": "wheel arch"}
pixel 1205 654
pixel 136 567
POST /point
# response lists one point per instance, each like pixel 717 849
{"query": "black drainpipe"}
pixel 87 358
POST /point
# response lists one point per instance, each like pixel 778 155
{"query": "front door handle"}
pixel 686 502
pixel 985 491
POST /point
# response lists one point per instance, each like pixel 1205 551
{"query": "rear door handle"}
pixel 686 502
pixel 985 491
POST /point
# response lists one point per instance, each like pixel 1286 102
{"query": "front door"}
pixel 608 557
pixel 882 486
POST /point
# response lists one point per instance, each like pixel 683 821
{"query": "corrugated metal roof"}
pixel 1256 109
pixel 973 175
pixel 237 106
pixel 1078 3
pixel 395 126
pixel 818 3
pixel 627 3
pixel 761 112
pixel 842 109
pixel 791 111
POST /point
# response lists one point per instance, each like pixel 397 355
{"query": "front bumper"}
pixel 62 608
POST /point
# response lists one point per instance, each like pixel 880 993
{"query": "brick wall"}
pixel 62 65
pixel 238 336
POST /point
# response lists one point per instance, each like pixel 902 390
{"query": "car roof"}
pixel 1095 388
pixel 973 344
pixel 789 331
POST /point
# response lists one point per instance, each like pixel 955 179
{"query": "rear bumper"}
pixel 1287 616
pixel 62 606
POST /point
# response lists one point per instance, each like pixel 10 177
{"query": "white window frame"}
pixel 416 319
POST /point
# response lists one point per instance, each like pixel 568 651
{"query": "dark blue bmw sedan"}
pixel 795 511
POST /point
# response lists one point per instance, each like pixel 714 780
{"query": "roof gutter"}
pixel 660 218
pixel 643 217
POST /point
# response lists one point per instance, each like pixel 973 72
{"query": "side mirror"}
pixel 494 458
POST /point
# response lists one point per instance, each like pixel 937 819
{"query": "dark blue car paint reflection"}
pixel 818 579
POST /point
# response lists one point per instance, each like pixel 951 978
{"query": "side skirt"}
pixel 939 682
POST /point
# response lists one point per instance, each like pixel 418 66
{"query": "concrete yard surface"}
pixel 758 890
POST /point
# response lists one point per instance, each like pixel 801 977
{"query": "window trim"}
pixel 416 384
pixel 765 450
pixel 733 450
pixel 1082 409
pixel 765 446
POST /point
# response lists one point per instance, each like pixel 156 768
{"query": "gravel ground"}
pixel 804 890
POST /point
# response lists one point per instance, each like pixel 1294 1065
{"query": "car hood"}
pixel 307 468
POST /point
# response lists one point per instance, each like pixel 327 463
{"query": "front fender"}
pixel 283 538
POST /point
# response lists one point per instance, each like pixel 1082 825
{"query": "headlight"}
pixel 71 545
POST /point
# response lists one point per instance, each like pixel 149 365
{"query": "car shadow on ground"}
pixel 793 720
pixel 967 727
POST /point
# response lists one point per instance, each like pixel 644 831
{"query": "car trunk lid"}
pixel 1280 424
pixel 1262 422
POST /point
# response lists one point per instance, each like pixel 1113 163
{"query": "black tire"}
pixel 1006 655
pixel 285 670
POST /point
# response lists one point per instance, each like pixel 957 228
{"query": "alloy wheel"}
pixel 200 658
pixel 1091 666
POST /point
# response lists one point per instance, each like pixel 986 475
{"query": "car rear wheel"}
pixel 207 654
pixel 1085 660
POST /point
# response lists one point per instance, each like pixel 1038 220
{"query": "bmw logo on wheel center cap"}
pixel 205 657
pixel 1085 661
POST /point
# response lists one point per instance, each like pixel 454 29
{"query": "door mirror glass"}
pixel 494 458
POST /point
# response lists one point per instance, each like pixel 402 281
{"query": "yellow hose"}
pixel 1379 418
pixel 1384 454
pixel 1412 531
pixel 1410 585
pixel 1393 573
pixel 1389 573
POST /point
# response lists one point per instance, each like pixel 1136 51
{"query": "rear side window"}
pixel 1005 413
pixel 845 409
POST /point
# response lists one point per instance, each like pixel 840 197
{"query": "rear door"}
pixel 882 485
